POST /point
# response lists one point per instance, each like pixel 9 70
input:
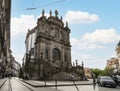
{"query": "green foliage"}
pixel 96 71
pixel 104 72
pixel 108 71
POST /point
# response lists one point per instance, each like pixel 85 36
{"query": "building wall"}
pixel 51 35
pixel 15 67
pixel 5 13
pixel 118 53
pixel 87 73
pixel 47 36
pixel 30 40
pixel 48 50
pixel 112 63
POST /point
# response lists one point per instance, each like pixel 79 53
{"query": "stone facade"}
pixel 117 49
pixel 112 63
pixel 52 50
pixel 53 41
pixel 15 67
pixel 87 73
pixel 5 13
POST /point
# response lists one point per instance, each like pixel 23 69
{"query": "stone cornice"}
pixel 50 38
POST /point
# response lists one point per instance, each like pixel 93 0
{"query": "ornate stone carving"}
pixel 56 13
pixel 53 41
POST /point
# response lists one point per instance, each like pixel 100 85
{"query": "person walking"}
pixel 94 83
pixel 116 80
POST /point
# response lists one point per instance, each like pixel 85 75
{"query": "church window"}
pixel 46 54
pixel 65 58
pixel 56 55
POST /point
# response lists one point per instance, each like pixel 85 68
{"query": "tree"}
pixel 96 71
pixel 104 72
pixel 108 71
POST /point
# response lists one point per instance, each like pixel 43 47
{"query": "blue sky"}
pixel 94 24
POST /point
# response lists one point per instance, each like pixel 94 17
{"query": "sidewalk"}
pixel 2 81
pixel 61 85
pixel 54 83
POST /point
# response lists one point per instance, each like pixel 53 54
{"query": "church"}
pixel 48 50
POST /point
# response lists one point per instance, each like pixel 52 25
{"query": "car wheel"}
pixel 114 86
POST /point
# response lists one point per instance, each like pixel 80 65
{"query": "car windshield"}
pixel 107 78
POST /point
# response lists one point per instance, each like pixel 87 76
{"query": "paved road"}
pixel 5 87
pixel 80 87
pixel 17 85
pixel 108 89
pixel 13 85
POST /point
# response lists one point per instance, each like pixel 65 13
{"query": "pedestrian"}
pixel 72 78
pixel 94 83
pixel 26 77
pixel 116 80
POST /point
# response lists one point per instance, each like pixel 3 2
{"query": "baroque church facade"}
pixel 50 50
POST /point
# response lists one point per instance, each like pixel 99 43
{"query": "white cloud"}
pixel 78 44
pixel 75 17
pixel 74 41
pixel 20 25
pixel 88 59
pixel 97 39
pixel 90 46
pixel 96 63
pixel 103 36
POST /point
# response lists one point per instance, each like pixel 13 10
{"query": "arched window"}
pixel 65 58
pixel 56 55
pixel 46 54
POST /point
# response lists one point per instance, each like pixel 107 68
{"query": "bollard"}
pixel 56 84
pixel 45 82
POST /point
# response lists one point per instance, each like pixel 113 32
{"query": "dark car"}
pixel 106 81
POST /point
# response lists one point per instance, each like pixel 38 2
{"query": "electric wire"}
pixel 48 4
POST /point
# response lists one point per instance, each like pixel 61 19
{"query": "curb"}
pixel 3 82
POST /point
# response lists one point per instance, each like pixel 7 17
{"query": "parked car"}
pixel 106 81
pixel 117 80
